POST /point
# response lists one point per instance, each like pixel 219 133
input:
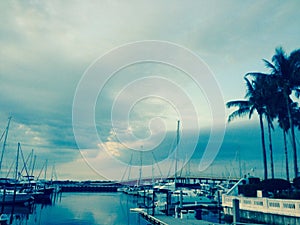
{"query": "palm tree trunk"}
pixel 263 146
pixel 294 150
pixel 293 135
pixel 271 150
pixel 286 157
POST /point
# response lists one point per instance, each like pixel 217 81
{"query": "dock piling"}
pixel 236 211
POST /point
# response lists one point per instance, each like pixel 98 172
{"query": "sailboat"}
pixel 15 196
pixel 40 189
pixel 179 196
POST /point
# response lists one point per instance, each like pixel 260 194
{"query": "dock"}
pixel 170 220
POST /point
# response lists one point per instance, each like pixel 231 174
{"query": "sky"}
pixel 97 87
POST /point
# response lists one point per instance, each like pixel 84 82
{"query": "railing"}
pixel 265 205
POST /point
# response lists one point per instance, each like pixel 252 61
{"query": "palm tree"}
pixel 271 100
pixel 254 102
pixel 270 129
pixel 284 124
pixel 286 70
pixel 269 94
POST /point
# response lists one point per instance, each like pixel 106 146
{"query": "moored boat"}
pixel 9 197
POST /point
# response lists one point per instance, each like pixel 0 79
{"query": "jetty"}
pixel 88 186
pixel 187 218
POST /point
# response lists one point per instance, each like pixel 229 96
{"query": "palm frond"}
pixel 251 110
pixel 270 66
pixel 250 88
pixel 269 120
pixel 238 113
pixel 237 103
pixel 281 63
pixel 256 74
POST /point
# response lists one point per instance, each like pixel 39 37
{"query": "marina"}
pixel 162 204
pixel 162 201
pixel 101 208
pixel 135 107
pixel 84 199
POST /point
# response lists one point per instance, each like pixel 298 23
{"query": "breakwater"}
pixel 88 186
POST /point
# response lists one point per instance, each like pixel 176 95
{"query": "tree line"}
pixel 273 96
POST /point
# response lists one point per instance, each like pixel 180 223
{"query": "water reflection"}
pixel 79 208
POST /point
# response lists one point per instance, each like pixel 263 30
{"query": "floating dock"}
pixel 188 219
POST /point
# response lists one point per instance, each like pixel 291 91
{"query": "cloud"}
pixel 47 46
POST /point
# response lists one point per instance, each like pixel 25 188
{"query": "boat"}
pixel 132 190
pixel 181 197
pixel 4 218
pixel 170 186
pixel 189 196
pixel 15 197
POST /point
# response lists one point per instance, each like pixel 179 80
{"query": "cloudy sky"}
pixel 96 86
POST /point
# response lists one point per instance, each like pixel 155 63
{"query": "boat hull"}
pixel 20 198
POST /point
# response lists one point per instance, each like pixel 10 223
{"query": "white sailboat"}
pixel 15 196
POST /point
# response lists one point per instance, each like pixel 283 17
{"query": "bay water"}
pixel 81 209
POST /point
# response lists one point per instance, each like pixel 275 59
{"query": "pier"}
pixel 169 220
pixel 88 186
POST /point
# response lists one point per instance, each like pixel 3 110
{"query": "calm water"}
pixel 83 209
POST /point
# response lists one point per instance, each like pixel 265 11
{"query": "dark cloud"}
pixel 47 46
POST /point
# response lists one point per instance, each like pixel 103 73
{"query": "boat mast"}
pixel 46 167
pixel 176 152
pixel 240 164
pixel 17 162
pixel 33 165
pixel 141 165
pixel 4 142
pixel 53 173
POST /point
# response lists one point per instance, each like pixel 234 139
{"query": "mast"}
pixel 33 165
pixel 4 142
pixel 152 170
pixel 141 165
pixel 46 167
pixel 53 174
pixel 31 161
pixel 45 170
pixel 17 161
pixel 176 152
pixel 240 163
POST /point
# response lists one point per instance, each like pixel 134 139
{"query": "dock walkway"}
pixel 169 220
pixel 177 221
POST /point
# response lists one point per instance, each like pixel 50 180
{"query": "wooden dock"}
pixel 169 220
